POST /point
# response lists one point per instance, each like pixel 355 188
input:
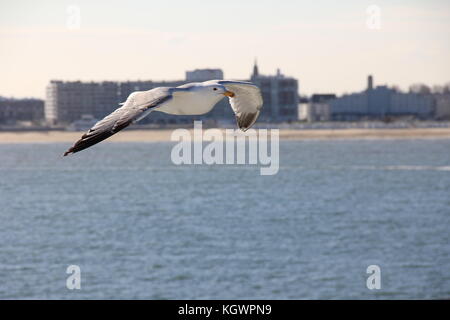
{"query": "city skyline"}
pixel 328 47
pixel 67 102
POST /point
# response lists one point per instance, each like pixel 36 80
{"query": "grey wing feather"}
pixel 246 103
pixel 137 106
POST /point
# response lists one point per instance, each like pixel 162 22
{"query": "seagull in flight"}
pixel 189 99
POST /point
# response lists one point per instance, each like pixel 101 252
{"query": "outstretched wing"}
pixel 246 102
pixel 137 106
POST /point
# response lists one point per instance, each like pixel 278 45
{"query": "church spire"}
pixel 255 69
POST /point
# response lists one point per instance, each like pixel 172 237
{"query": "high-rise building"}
pixel 16 110
pixel 318 107
pixel 280 95
pixel 69 101
pixel 442 106
pixel 380 102
pixel 200 75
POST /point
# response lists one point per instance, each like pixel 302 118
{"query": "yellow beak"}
pixel 229 94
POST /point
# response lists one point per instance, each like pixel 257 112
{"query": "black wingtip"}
pixel 68 152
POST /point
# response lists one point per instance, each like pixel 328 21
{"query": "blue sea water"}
pixel 140 227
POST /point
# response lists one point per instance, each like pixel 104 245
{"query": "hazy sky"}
pixel 327 45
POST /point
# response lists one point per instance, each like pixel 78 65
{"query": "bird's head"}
pixel 218 89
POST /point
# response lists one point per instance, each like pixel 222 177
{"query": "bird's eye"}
pixel 215 89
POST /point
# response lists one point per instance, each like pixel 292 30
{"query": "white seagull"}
pixel 189 99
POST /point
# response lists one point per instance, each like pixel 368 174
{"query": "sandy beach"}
pixel 162 135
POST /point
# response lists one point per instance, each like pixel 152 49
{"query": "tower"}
pixel 369 82
pixel 255 69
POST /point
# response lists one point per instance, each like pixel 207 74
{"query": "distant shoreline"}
pixel 163 135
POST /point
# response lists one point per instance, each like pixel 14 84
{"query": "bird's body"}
pixel 189 102
pixel 189 99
